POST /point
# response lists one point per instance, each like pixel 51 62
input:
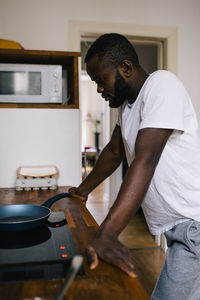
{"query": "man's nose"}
pixel 100 89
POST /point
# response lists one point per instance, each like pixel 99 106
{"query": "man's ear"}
pixel 126 68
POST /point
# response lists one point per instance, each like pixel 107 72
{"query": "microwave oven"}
pixel 29 83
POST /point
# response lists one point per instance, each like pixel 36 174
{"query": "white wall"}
pixel 44 25
pixel 35 137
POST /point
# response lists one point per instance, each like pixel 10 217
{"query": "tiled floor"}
pixel 98 203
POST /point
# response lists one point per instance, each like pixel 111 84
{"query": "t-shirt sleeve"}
pixel 163 105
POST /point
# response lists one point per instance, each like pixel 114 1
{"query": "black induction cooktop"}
pixel 39 254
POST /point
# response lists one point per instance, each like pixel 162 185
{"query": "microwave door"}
pixel 19 86
pixel 30 84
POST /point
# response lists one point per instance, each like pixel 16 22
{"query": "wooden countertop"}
pixel 107 282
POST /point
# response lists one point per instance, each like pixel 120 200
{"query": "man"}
pixel 158 132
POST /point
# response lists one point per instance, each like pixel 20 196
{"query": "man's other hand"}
pixel 110 250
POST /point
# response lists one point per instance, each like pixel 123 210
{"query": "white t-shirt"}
pixel 174 192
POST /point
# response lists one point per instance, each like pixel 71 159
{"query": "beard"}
pixel 121 90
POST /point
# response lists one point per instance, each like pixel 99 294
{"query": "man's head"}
pixel 110 62
pixel 113 48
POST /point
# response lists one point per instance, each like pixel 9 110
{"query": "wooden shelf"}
pixel 47 105
pixel 68 60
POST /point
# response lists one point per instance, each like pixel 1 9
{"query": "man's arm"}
pixel 150 143
pixel 108 161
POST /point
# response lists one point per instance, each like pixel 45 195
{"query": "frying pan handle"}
pixel 55 198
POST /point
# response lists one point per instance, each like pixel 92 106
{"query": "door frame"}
pixel 169 36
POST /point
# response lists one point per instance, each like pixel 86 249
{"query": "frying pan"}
pixel 21 217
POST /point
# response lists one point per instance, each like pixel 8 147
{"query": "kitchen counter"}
pixel 106 282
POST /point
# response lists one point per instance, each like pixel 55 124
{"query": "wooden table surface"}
pixel 106 282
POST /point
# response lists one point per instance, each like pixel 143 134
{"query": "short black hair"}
pixel 113 48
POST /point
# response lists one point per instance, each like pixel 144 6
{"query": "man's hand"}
pixel 112 251
pixel 74 191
